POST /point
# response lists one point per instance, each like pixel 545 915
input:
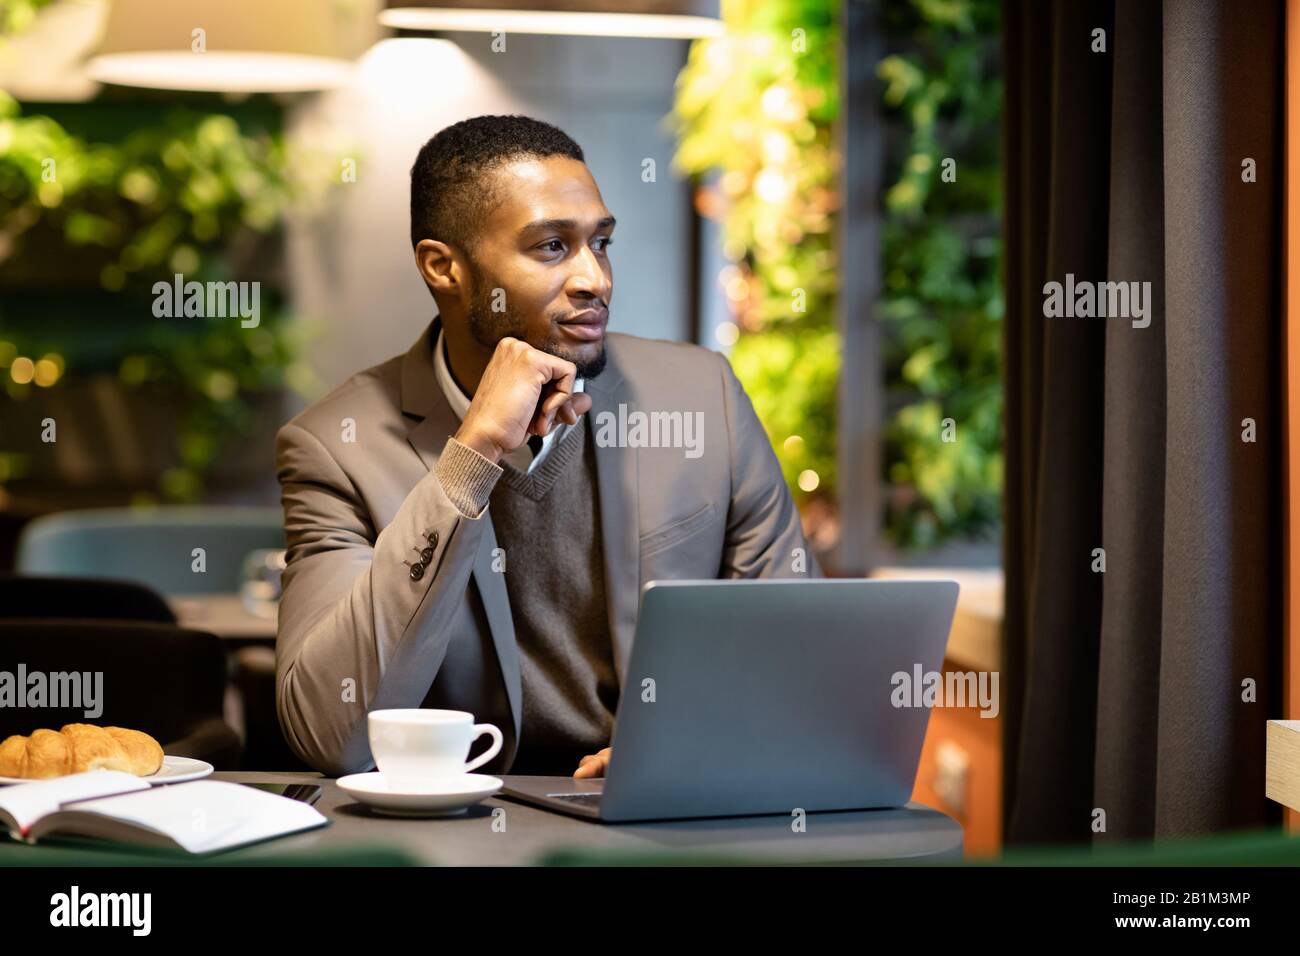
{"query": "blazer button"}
pixel 417 572
pixel 426 555
pixel 433 539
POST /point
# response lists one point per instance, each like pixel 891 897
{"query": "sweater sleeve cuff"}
pixel 467 478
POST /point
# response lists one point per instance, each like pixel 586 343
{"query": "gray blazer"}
pixel 357 633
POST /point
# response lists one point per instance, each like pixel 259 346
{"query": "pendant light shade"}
pixel 240 46
pixel 45 62
pixel 666 19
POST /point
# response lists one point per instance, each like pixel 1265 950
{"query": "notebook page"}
pixel 28 802
pixel 207 815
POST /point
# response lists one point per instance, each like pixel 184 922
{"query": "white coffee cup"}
pixel 414 747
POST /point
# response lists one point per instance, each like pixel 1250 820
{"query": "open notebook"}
pixel 201 816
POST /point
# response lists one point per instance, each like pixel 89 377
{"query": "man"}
pixel 470 524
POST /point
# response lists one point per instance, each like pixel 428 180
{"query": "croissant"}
pixel 76 748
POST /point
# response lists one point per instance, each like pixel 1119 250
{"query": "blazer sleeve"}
pixel 357 632
pixel 764 536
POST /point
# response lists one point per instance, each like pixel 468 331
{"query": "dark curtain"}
pixel 1124 687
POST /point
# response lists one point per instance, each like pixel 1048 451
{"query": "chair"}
pixel 253 677
pixel 59 597
pixel 154 546
pixel 165 680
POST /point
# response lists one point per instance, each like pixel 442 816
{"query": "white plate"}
pixel 173 770
pixel 448 797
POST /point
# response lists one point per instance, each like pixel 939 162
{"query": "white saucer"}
pixel 445 797
pixel 173 770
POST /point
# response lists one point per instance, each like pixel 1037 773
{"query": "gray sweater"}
pixel 548 523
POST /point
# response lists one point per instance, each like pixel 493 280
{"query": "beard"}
pixel 489 327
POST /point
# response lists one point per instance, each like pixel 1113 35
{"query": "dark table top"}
pixel 531 833
pixel 525 835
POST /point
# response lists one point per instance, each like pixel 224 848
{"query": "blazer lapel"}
pixel 431 421
pixel 616 478
pixel 496 604
pixel 429 417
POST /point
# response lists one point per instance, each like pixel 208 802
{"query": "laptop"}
pixel 762 696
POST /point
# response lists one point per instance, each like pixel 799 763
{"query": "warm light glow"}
pixel 776 148
pixel 390 65
pixel 46 372
pixel 771 186
pixel 793 445
pixel 220 71
pixel 726 333
pixel 22 370
pixel 780 103
pixel 808 480
pixel 558 22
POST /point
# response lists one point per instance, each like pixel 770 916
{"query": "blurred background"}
pixel 822 190
pixel 723 157
pixel 810 186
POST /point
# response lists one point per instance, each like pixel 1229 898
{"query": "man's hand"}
pixel 593 765
pixel 522 392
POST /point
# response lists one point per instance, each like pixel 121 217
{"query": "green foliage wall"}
pixel 757 107
pixel 90 224
pixel 756 110
pixel 942 299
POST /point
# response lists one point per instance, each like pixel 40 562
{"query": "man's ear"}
pixel 440 267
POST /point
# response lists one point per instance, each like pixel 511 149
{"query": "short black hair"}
pixel 451 192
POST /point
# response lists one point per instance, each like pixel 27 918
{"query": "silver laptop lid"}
pixel 763 696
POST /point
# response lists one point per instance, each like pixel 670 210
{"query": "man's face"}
pixel 540 271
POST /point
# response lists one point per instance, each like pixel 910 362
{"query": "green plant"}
pixel 170 197
pixel 941 302
pixel 219 373
pixel 191 193
pixel 757 106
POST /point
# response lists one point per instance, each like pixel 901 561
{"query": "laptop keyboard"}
pixel 580 799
